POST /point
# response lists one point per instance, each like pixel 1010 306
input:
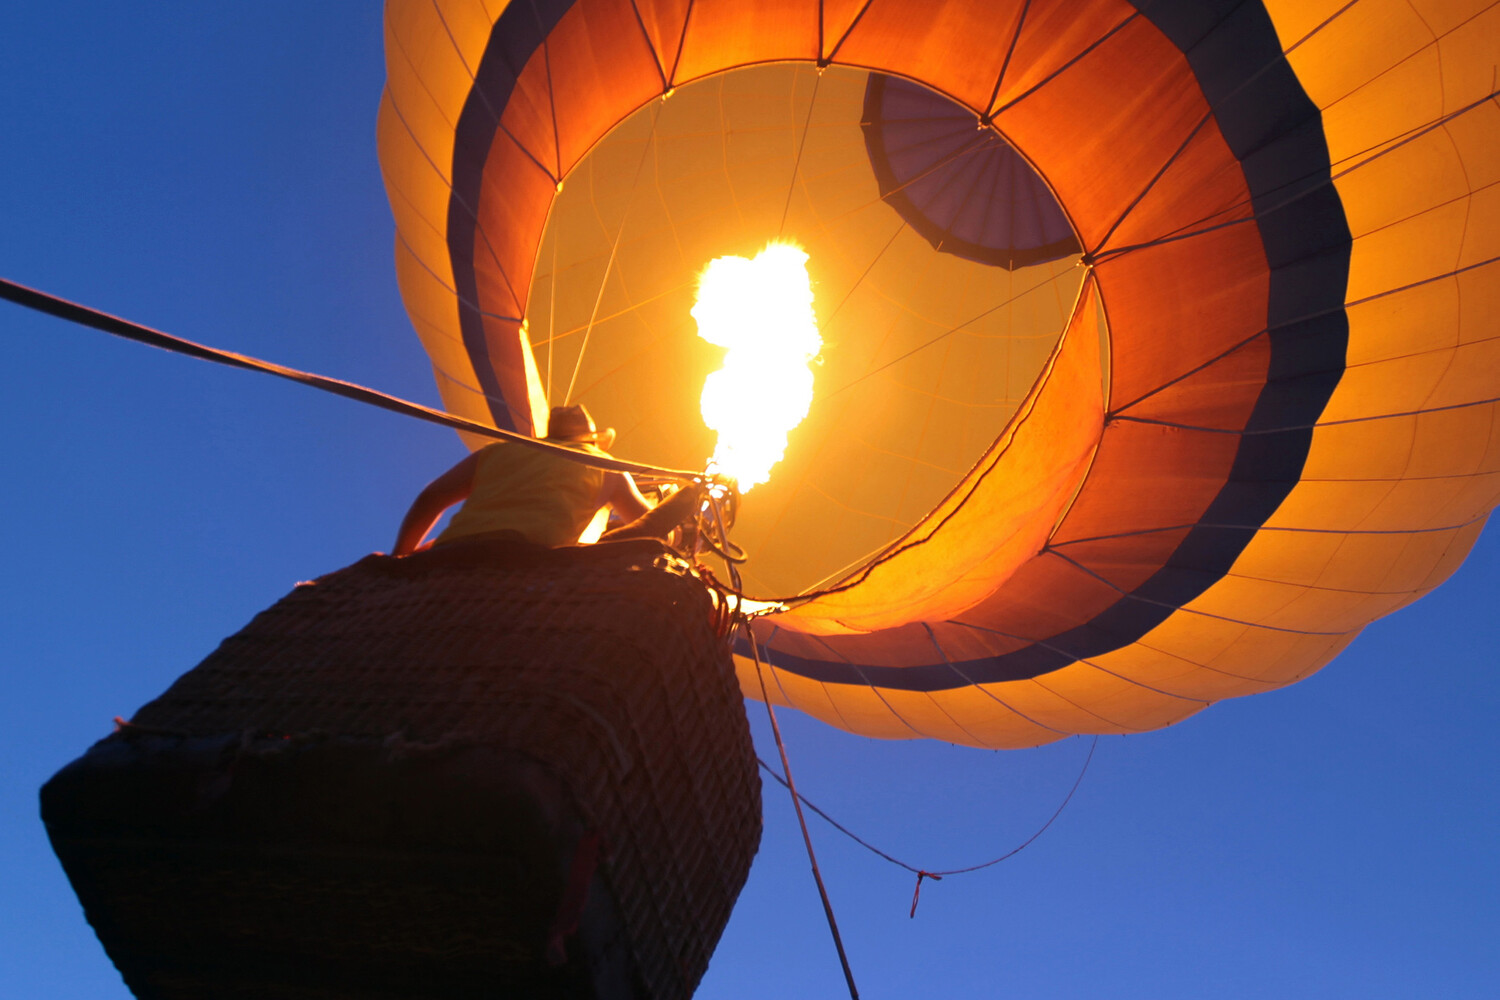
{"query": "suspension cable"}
pixel 936 875
pixel 786 765
pixel 833 926
pixel 613 250
pixel 73 312
pixel 791 185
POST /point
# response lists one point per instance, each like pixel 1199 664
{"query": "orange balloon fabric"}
pixel 1262 414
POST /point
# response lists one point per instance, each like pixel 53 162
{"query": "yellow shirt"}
pixel 546 498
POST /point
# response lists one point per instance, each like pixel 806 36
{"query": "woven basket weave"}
pixel 381 779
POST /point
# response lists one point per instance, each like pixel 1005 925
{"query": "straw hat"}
pixel 575 423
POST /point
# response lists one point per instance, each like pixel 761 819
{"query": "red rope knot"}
pixel 917 893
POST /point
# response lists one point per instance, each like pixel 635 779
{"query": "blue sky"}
pixel 210 170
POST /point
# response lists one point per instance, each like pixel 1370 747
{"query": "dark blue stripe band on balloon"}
pixel 520 31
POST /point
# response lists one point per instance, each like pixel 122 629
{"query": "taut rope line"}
pixel 61 308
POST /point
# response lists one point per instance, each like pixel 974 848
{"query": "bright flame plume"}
pixel 761 309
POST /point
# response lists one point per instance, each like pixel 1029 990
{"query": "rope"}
pixel 891 552
pixel 833 927
pixel 786 765
pixel 552 311
pixel 947 333
pixel 613 250
pixel 922 873
pixel 84 316
pixel 791 186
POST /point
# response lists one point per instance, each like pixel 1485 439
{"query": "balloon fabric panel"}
pixel 1250 499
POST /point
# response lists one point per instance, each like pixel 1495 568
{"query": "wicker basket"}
pixel 380 786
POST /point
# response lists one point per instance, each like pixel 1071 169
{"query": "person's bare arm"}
pixel 661 520
pixel 450 488
pixel 623 497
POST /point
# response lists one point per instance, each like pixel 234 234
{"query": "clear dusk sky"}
pixel 209 169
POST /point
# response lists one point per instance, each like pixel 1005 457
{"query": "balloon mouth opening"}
pixel 927 351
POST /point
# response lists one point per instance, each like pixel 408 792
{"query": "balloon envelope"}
pixel 1258 418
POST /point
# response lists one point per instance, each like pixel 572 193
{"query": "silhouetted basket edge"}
pixel 398 715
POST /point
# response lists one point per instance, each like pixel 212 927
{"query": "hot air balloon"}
pixel 1107 540
pixel 1031 503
